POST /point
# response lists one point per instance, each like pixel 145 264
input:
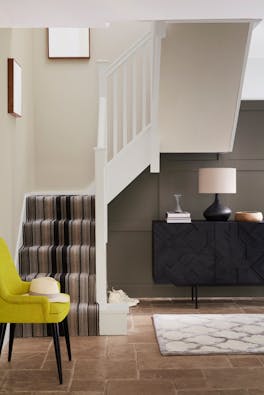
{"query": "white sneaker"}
pixel 119 296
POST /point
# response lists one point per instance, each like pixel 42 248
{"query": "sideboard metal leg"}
pixel 196 295
pixel 192 294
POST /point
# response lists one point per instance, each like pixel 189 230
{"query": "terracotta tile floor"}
pixel 132 365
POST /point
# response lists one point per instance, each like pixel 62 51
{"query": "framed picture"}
pixel 64 43
pixel 14 87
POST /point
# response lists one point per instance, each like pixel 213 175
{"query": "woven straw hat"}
pixel 47 286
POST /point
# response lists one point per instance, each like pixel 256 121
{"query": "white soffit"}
pixel 96 13
pixel 256 49
pixel 253 86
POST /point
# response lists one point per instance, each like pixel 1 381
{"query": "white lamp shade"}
pixel 217 180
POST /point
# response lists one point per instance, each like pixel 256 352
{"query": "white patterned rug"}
pixel 196 334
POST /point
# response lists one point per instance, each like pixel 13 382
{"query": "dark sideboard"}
pixel 208 253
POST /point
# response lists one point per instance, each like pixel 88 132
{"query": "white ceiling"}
pixel 92 13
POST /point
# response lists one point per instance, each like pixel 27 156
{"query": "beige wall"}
pixel 201 66
pixel 16 134
pixel 66 107
pixel 51 146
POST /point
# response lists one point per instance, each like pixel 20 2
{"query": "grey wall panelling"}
pixel 151 195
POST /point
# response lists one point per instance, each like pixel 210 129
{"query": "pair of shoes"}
pixel 119 296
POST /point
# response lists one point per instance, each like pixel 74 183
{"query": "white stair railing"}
pixel 126 85
pixel 127 130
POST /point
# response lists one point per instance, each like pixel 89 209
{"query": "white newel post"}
pixel 100 188
pixel 159 32
pixel 112 318
pixel 101 225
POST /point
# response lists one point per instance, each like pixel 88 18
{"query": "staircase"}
pixel 127 144
pixel 59 241
pixel 58 236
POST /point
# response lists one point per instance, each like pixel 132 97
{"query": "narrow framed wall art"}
pixel 14 71
pixel 68 43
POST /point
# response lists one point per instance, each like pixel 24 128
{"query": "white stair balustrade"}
pixel 127 143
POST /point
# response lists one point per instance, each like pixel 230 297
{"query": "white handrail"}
pixel 128 53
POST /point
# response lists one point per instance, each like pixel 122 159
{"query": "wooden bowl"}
pixel 249 216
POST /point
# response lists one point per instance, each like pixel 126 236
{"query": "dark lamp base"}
pixel 217 212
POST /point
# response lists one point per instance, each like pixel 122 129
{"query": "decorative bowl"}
pixel 249 216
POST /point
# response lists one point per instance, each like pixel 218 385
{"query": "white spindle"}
pixel 102 104
pixel 115 115
pixel 150 66
pixel 124 104
pixel 134 97
pixel 101 224
pixel 144 95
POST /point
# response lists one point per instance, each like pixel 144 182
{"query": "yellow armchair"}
pixel 17 307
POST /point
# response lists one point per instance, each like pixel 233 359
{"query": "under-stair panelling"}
pixel 59 241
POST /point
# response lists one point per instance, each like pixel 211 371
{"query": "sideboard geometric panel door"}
pixel 208 253
pixel 183 254
pixel 251 239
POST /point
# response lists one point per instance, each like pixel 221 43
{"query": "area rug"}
pixel 197 334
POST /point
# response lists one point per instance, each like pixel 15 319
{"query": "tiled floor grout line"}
pixel 175 388
pixel 3 380
pixel 46 357
pixel 261 362
pixel 228 361
pixel 106 346
pixel 105 386
pixel 71 375
pixel 136 360
pixel 133 323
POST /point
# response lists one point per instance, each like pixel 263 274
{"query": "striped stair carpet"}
pixel 59 241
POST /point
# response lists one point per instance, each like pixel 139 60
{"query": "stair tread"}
pixel 59 232
pixel 32 221
pixel 31 276
pixel 57 246
pixel 60 206
pixel 61 195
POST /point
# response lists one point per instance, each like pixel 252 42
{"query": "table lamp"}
pixel 217 180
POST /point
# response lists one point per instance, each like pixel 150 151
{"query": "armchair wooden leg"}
pixel 11 341
pixel 56 341
pixel 67 337
pixel 2 335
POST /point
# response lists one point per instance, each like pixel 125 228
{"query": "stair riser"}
pixel 60 207
pixel 80 286
pixel 82 321
pixel 64 232
pixel 61 259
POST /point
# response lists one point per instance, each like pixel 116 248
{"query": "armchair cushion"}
pixel 15 306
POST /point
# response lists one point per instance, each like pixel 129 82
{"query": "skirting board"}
pixel 113 319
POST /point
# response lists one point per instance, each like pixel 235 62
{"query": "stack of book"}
pixel 173 217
